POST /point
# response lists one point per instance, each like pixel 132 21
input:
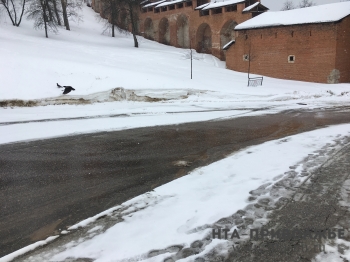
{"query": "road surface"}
pixel 51 184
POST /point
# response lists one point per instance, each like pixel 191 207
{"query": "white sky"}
pixel 276 5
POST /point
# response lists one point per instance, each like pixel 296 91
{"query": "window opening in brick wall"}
pixel 171 7
pixel 144 10
pixel 216 11
pixel 310 33
pixel 150 9
pixel 163 8
pixel 201 2
pixel 246 37
pixel 189 3
pixel 292 33
pixel 156 10
pixel 181 5
pixel 231 8
pixel 204 12
pixel 249 2
pixel 291 59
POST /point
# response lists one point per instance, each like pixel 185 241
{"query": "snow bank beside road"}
pixel 44 130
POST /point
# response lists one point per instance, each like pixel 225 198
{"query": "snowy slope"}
pixel 31 65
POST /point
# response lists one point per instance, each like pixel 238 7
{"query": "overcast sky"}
pixel 276 5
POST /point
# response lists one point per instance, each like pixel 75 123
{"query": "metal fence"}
pixel 255 81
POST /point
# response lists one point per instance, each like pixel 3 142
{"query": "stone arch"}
pixel 227 34
pixel 183 31
pixel 123 21
pixel 149 29
pixel 137 27
pixel 203 36
pixel 164 31
pixel 97 6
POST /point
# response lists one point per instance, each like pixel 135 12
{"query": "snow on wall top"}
pixel 211 5
pixel 201 6
pixel 225 47
pixel 247 9
pixel 169 3
pixel 309 15
pixel 153 4
pixel 222 3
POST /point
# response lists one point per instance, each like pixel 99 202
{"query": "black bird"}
pixel 67 89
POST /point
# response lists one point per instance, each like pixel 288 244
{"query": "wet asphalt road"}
pixel 51 184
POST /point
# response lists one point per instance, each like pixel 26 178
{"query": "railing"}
pixel 255 81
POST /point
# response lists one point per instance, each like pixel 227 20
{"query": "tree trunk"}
pixel 20 19
pixel 65 17
pixel 14 11
pixel 50 12
pixel 5 4
pixel 56 12
pixel 133 25
pixel 43 6
pixel 136 43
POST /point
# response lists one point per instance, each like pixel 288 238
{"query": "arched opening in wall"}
pixel 183 33
pixel 149 29
pixel 137 27
pixel 227 34
pixel 204 39
pixel 123 21
pixel 97 6
pixel 164 32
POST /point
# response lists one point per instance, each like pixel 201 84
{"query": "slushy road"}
pixel 50 184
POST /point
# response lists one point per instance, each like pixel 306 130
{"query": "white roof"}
pixel 201 6
pixel 228 44
pixel 221 3
pixel 250 7
pixel 155 3
pixel 170 3
pixel 309 15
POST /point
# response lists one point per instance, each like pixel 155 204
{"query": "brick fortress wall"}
pixel 179 24
pixel 342 62
pixel 321 52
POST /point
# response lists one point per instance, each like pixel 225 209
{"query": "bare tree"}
pixel 132 7
pixel 306 3
pixel 39 11
pixel 111 9
pixel 121 15
pixel 288 5
pixel 14 10
pixel 73 10
pixel 57 11
pixel 70 10
pixel 64 12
